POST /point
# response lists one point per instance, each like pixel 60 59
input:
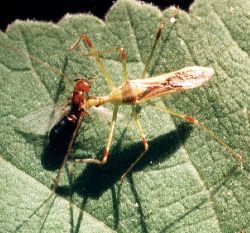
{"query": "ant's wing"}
pixel 42 120
pixel 105 114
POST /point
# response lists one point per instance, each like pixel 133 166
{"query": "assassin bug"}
pixel 136 91
pixel 131 92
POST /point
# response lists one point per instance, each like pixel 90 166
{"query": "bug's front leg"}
pixel 95 53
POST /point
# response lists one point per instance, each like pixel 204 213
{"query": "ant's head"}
pixel 82 85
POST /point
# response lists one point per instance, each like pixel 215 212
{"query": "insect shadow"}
pixel 95 180
pixel 52 155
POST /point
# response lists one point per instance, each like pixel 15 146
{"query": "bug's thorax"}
pixel 130 92
pixel 127 93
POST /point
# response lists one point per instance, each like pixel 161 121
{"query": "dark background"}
pixel 54 10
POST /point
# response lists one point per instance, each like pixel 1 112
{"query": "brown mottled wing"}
pixel 180 80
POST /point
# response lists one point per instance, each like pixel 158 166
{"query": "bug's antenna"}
pixel 51 68
pixel 39 61
pixel 91 78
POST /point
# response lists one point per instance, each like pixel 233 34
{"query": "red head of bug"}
pixel 81 89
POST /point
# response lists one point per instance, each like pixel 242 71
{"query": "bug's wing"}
pixel 180 80
pixel 42 120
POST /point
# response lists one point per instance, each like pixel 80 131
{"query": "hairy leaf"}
pixel 187 182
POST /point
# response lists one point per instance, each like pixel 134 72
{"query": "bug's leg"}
pixel 200 124
pixel 115 50
pixel 108 145
pixel 157 37
pixel 144 141
pixel 93 52
pixel 124 65
pixel 57 178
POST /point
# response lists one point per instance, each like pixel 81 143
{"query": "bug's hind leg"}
pixel 202 126
pixel 144 141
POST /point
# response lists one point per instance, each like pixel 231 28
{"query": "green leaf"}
pixel 28 206
pixel 187 182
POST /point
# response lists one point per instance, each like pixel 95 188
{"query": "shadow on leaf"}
pixel 97 179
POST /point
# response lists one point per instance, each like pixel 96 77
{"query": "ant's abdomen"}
pixel 62 132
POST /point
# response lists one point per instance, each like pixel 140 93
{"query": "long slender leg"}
pixel 115 50
pixel 57 178
pixel 108 145
pixel 144 141
pixel 200 124
pixel 93 52
pixel 157 37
